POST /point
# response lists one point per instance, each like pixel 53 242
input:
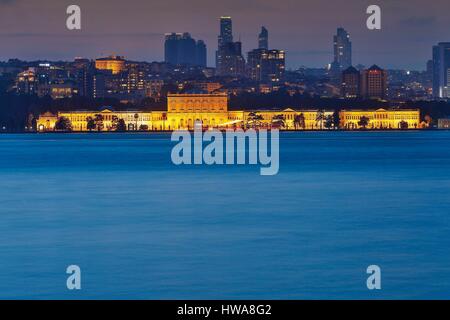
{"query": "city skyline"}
pixel 405 40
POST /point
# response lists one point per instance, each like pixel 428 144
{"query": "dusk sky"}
pixel 31 29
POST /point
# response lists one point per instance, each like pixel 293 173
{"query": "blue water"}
pixel 140 227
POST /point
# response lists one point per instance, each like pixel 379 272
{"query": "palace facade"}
pixel 380 119
pixel 184 110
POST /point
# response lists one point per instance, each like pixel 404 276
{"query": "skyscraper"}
pixel 342 49
pixel 441 70
pixel 226 31
pixel 229 59
pixel 267 66
pixel 182 49
pixel 187 50
pixel 263 39
pixel 171 48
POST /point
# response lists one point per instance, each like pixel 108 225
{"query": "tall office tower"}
pixel 187 48
pixel 267 66
pixel 171 47
pixel 351 80
pixel 229 59
pixel 374 83
pixel 226 31
pixel 263 39
pixel 342 49
pixel 201 53
pixel 182 49
pixel 441 70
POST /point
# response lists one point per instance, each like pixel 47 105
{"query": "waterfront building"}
pixel 184 110
pixel 380 119
pixel 184 115
pixel 115 64
pixel 103 120
pixel 46 122
pixel 444 123
pixel 441 70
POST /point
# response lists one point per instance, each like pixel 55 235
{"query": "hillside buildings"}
pixel 115 64
pixel 369 83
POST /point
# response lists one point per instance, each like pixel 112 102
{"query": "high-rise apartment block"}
pixel 182 49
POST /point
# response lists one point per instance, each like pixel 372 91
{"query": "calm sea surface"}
pixel 141 227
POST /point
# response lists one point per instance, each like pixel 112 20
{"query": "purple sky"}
pixel 31 29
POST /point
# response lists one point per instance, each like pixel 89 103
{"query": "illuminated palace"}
pixel 184 110
pixel 380 119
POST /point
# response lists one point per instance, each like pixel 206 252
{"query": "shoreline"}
pixel 170 131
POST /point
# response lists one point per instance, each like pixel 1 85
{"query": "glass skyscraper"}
pixel 229 59
pixel 441 70
pixel 342 49
pixel 226 31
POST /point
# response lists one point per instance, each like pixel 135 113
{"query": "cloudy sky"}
pixel 31 29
